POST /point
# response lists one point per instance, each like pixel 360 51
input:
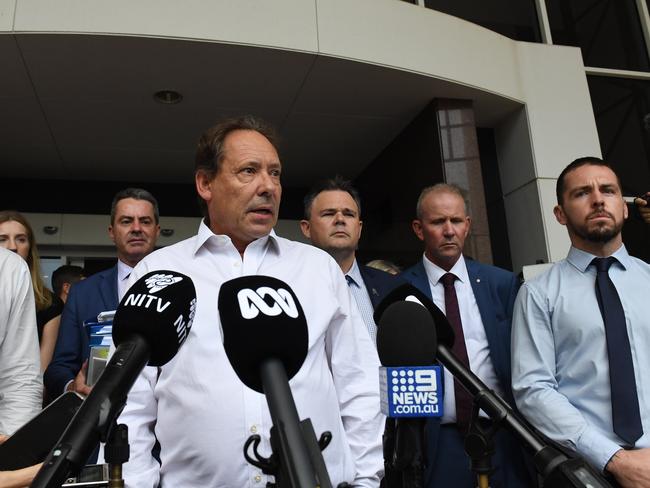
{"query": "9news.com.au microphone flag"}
pixel 261 318
pixel 150 324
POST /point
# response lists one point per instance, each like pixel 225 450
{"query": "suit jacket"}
pixel 495 290
pixel 378 283
pixel 87 298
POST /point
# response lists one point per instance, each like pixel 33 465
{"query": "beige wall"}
pixel 554 125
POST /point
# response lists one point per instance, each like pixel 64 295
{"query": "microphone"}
pixel 409 293
pixel 554 467
pixel 409 388
pixel 267 310
pixel 409 381
pixel 150 324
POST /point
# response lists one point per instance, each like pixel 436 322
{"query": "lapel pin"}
pixel 478 280
pixel 374 292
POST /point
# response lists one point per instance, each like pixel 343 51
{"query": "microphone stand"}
pixel 297 461
pixel 407 455
pixel 116 453
pixel 555 468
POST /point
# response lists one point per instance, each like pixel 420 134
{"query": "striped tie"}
pixel 364 306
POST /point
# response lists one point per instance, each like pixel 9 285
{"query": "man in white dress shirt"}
pixel 195 406
pixel 20 379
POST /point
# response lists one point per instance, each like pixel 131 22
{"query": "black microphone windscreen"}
pixel 444 332
pixel 406 336
pixel 160 308
pixel 261 319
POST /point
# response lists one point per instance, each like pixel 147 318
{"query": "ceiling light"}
pixel 168 97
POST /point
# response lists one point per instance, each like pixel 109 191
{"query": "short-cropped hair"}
pixel 136 194
pixel 332 184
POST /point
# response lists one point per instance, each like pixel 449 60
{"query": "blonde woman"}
pixel 16 235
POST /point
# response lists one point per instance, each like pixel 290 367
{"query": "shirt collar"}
pixel 355 274
pixel 435 272
pixel 582 259
pixel 123 270
pixel 205 237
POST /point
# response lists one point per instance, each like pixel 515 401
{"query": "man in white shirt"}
pixel 195 406
pixel 20 379
pixel 477 299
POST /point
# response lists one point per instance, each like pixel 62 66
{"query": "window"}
pixel 607 31
pixel 516 19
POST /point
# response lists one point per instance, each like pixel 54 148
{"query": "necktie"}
pixel 463 398
pixel 625 403
pixel 364 306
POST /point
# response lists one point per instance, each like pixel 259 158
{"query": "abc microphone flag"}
pixel 409 380
pixel 267 310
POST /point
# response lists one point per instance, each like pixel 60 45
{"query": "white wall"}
pixel 554 125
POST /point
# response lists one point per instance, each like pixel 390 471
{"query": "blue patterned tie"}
pixel 363 307
pixel 625 403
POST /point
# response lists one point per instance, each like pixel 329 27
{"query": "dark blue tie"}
pixel 625 403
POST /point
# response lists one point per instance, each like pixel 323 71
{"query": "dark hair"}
pixel 136 194
pixel 332 184
pixel 66 274
pixel 210 149
pixel 575 164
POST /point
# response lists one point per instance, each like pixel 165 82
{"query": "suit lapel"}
pixel 420 279
pixel 108 289
pixel 371 286
pixel 482 292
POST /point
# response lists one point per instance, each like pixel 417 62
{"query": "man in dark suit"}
pixel 134 229
pixel 478 301
pixel 333 223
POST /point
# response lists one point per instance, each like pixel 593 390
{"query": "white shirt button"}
pixel 258 478
pixel 254 429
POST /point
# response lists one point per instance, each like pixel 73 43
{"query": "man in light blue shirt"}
pixel 562 349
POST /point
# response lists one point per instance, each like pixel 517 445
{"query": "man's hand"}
pixel 643 204
pixel 79 384
pixel 3 438
pixel 631 468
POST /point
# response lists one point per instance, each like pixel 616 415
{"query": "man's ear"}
pixel 469 225
pixel 304 227
pixel 203 183
pixel 559 214
pixel 416 225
